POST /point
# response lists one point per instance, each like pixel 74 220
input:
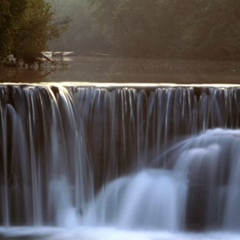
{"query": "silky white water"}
pixel 151 199
pixel 94 163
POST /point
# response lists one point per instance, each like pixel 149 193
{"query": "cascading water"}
pixel 78 156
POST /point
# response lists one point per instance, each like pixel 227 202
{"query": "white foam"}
pixel 95 233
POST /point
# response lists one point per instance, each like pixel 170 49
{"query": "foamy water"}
pixel 89 233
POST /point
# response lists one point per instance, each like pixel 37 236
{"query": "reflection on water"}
pixel 110 69
pixel 10 74
pixel 37 73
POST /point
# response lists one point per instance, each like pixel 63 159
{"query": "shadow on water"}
pixel 10 74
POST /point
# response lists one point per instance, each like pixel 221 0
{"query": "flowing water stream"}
pixel 119 162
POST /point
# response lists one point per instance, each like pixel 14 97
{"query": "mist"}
pixel 82 36
pixel 189 29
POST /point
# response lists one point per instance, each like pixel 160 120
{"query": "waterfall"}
pixel 156 158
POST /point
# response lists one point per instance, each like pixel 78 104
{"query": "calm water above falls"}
pixel 84 157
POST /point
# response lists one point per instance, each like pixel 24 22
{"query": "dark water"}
pixel 112 69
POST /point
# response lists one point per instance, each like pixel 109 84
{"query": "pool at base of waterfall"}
pixel 105 233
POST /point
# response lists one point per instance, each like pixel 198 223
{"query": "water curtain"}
pixel 127 157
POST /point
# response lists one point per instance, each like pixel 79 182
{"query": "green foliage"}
pixel 25 28
pixel 154 28
pixel 212 30
pixel 148 28
pixel 11 13
pixel 186 28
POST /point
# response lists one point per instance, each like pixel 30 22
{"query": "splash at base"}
pixel 84 233
pixel 197 189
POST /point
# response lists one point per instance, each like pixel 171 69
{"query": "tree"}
pixel 212 29
pixel 173 28
pixel 11 13
pixel 148 28
pixel 28 26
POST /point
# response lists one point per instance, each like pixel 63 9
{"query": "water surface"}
pixel 112 69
